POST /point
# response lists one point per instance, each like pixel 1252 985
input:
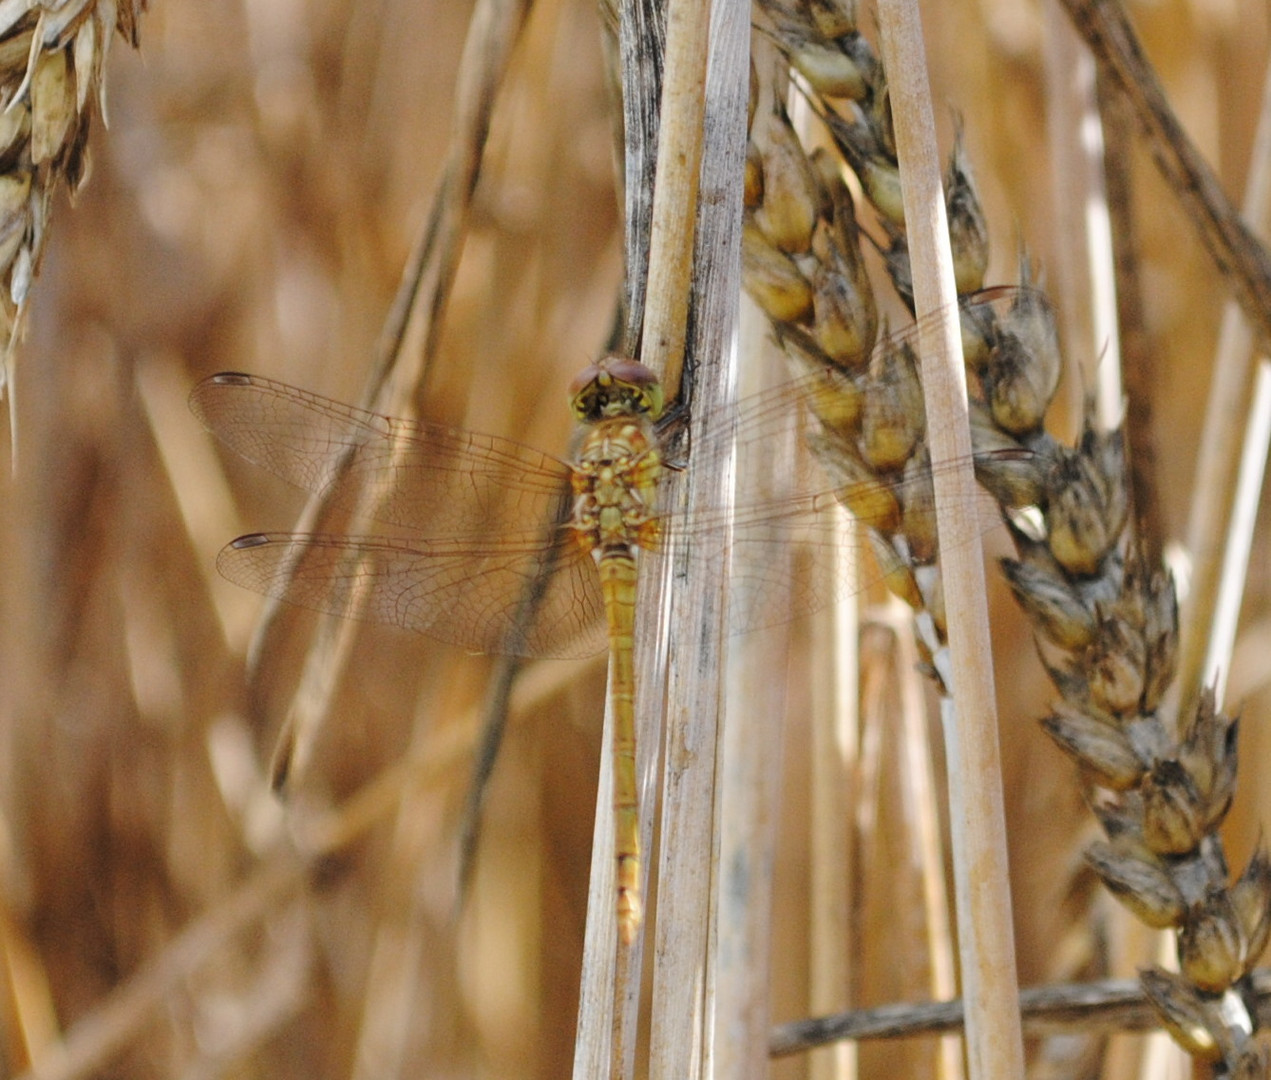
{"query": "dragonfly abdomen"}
pixel 618 586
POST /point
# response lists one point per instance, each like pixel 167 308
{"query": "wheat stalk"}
pixel 1105 1005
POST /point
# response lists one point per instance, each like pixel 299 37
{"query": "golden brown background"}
pixel 266 169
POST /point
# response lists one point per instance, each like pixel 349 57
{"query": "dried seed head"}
pixel 829 173
pixel 1208 754
pixel 1030 322
pixel 931 586
pixel 919 525
pixel 968 227
pixel 1161 635
pixel 898 575
pixel 752 187
pixel 1211 946
pixel 52 56
pixel 1115 663
pixel 126 14
pixel 1088 502
pixel 1251 901
pixel 1251 1062
pixel 74 160
pixel 15 192
pixel 861 54
pixel 1120 818
pixel 1106 590
pixel 1142 885
pixel 87 59
pixel 1070 683
pixel 868 498
pixel 828 71
pixel 833 18
pixel 52 105
pixel 1148 736
pixel 877 111
pixel 1186 1015
pixel 877 172
pixel 837 206
pixel 1149 595
pixel 22 275
pixel 896 262
pixel 893 421
pixel 1099 747
pixel 833 395
pixel 790 192
pixel 1018 393
pixel 1055 610
pixel 1014 398
pixel 15 126
pixel 821 42
pixel 1012 474
pixel 837 69
pixel 845 318
pixel 771 277
pixel 979 319
pixel 1173 810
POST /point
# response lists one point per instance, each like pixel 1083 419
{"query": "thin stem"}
pixel 1235 563
pixel 835 717
pixel 687 879
pixel 1138 370
pixel 596 1040
pixel 1107 1005
pixel 1087 279
pixel 920 792
pixel 675 191
pixel 397 372
pixel 1235 250
pixel 994 1042
pixel 1220 439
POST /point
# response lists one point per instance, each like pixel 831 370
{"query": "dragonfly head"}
pixel 615 386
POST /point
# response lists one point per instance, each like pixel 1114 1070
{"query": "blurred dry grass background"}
pixel 251 207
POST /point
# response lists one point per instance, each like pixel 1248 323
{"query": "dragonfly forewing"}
pixel 434 480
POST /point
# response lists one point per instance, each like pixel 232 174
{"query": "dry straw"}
pixel 161 913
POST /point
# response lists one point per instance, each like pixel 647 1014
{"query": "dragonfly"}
pixel 471 525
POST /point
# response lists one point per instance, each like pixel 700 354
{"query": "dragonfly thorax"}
pixel 615 481
pixel 615 386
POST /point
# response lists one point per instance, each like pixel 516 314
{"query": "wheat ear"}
pixel 52 76
pixel 1105 619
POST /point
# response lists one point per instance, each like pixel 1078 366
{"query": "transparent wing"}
pixel 795 554
pixel 436 481
pixel 762 416
pixel 455 592
pixel 783 546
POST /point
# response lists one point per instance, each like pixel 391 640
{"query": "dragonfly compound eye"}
pixel 615 386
